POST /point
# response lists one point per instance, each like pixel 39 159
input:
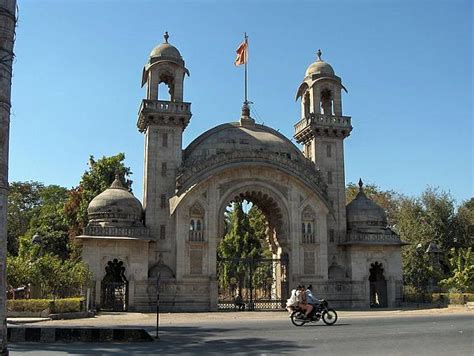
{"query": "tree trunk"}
pixel 7 38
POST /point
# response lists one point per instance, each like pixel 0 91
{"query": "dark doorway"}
pixel 378 286
pixel 114 287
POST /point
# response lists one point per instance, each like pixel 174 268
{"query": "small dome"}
pixel 319 67
pixel 115 206
pixel 165 50
pixel 363 212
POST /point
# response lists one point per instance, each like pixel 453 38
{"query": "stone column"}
pixel 7 39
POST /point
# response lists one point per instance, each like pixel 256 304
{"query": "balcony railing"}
pixel 116 231
pixel 323 120
pixel 196 235
pixel 367 238
pixel 309 238
pixel 168 107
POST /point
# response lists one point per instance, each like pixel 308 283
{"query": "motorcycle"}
pixel 320 311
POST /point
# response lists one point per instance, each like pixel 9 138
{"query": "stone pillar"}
pixel 316 100
pixel 7 39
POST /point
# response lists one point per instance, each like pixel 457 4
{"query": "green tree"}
pixel 50 222
pixel 23 202
pixel 431 218
pixel 95 180
pixel 258 227
pixel 464 234
pixel 36 208
pixel 245 239
pixel 461 277
pixel 239 242
pixel 19 272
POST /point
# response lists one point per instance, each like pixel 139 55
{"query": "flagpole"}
pixel 246 60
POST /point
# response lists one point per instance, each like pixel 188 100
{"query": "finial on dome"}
pixel 117 184
pixel 361 184
pixel 245 119
pixel 319 54
pixel 166 36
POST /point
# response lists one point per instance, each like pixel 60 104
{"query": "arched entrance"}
pixel 248 280
pixel 114 287
pixel 378 286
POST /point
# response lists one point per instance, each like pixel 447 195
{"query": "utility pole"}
pixel 7 38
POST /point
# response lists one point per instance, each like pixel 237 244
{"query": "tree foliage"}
pixel 36 208
pixel 461 277
pixel 55 277
pixel 95 180
pixel 23 201
pixel 245 239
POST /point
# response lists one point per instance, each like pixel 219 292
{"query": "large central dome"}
pixel 233 137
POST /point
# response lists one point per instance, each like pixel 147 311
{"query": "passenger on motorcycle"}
pixel 294 300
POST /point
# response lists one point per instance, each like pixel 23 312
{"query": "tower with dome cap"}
pixel 162 122
pixel 322 130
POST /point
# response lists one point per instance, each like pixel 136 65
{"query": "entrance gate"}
pixel 378 286
pixel 114 287
pixel 252 284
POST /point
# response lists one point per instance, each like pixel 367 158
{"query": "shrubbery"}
pixel 55 277
pixel 66 305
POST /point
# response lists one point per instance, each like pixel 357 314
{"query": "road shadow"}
pixel 327 326
pixel 175 339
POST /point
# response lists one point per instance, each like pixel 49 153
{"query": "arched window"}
pixel 198 225
pixel 303 228
pixel 309 228
pixel 191 226
pixel 326 102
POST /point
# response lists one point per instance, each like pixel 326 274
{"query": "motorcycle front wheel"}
pixel 297 318
pixel 329 317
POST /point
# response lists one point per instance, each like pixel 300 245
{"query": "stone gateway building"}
pixel 347 252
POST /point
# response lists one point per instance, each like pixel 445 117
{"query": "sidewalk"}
pixel 149 319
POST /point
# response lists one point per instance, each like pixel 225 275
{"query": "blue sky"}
pixel 406 64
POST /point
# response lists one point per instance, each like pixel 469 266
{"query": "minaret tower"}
pixel 163 123
pixel 322 130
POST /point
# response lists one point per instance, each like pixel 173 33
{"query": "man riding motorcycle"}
pixel 308 300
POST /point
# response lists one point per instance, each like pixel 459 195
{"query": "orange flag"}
pixel 242 54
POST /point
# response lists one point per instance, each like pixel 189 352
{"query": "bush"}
pixel 38 305
pixel 413 297
pixel 28 305
pixel 66 305
pixel 469 297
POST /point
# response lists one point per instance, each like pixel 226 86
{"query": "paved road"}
pixel 367 334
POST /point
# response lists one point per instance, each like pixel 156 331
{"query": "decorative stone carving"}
pixel 303 169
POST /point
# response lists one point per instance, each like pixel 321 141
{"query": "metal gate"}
pixel 252 284
pixel 114 296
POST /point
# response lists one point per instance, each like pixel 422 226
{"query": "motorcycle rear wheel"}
pixel 329 317
pixel 297 318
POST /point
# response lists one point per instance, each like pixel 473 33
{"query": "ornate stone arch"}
pixel 272 203
pixel 160 268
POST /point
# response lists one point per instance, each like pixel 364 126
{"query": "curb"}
pixel 33 334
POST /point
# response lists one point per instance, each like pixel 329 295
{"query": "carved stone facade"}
pixel 349 255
